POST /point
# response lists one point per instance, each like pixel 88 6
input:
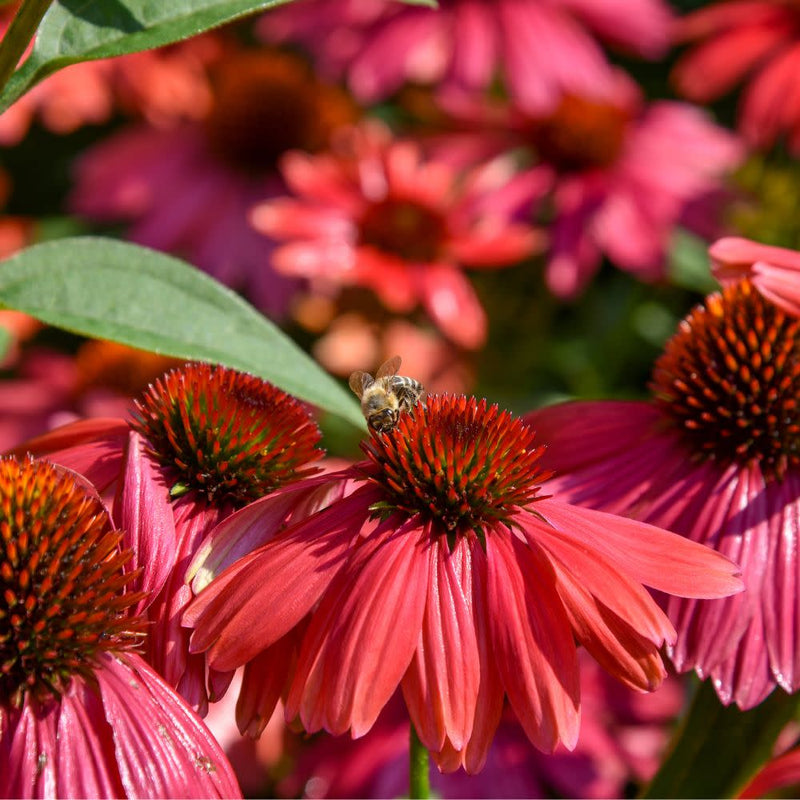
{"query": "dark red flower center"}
pixel 62 598
pixel 405 229
pixel 580 134
pixel 730 380
pixel 268 103
pixel 458 462
pixel 226 434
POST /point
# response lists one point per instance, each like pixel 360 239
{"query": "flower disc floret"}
pixel 730 379
pixel 458 462
pixel 62 598
pixel 227 435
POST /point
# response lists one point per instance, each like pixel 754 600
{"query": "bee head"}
pixel 383 420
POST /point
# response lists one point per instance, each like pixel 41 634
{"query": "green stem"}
pixel 419 786
pixel 19 34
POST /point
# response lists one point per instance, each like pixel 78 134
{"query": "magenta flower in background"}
pixel 713 456
pixel 205 441
pixel 612 178
pixel 774 271
pixel 187 187
pixel 49 389
pixel 81 714
pixel 623 735
pixel 374 212
pixel 445 572
pixel 542 47
pixel 755 42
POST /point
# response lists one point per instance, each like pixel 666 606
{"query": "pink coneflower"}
pixel 757 41
pixel 373 212
pixel 542 47
pixel 611 178
pixel 715 457
pixel 774 271
pixel 158 84
pixel 188 187
pixel 205 441
pixel 448 573
pixel 81 715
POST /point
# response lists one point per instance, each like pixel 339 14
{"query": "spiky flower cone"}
pixel 80 714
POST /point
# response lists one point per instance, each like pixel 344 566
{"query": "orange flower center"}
pixel 268 103
pixel 405 229
pixel 230 436
pixel 62 598
pixel 457 462
pixel 730 380
pixel 580 134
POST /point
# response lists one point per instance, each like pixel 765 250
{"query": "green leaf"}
pixel 717 749
pixel 130 294
pixel 688 264
pixel 82 30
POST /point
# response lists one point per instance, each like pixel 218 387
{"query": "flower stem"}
pixel 20 32
pixel 419 787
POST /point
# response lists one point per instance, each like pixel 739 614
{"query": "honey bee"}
pixel 386 395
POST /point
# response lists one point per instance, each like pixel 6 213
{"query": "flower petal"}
pixel 362 636
pixel 91 447
pixel 257 523
pixel 145 515
pixel 532 640
pixel 162 747
pixel 287 576
pixel 441 684
pixel 654 557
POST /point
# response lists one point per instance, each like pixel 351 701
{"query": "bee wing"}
pixel 389 367
pixel 359 381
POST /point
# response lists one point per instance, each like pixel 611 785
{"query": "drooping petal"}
pixel 727 513
pixel 91 447
pixel 744 677
pixel 264 680
pixel 781 590
pixel 441 684
pixel 643 551
pixel 362 636
pixel 532 640
pixel 489 706
pixel 162 747
pixel 28 766
pixel 145 515
pixel 257 523
pixel 287 575
pixel 613 616
pixel 85 760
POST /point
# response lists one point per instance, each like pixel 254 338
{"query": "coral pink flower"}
pixel 446 572
pixel 373 212
pixel 755 38
pixel 80 714
pixel 160 85
pixel 352 342
pixel 205 441
pixel 774 271
pixel 715 457
pixel 188 187
pixel 611 178
pixel 544 47
pixel 623 736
